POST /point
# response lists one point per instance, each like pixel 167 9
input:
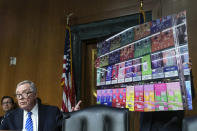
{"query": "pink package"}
pixel 139 98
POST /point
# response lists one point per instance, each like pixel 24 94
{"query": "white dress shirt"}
pixel 34 118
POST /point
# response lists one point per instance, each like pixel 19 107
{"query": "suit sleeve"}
pixel 3 124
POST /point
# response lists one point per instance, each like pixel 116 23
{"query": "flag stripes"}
pixel 67 83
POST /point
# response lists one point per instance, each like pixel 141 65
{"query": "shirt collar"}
pixel 34 110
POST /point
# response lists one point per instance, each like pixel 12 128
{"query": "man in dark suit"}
pixel 32 114
pixel 7 103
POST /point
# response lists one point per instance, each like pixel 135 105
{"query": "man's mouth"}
pixel 22 103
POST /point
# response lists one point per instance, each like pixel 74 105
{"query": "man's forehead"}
pixel 6 99
pixel 24 87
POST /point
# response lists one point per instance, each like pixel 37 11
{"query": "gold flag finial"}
pixel 141 4
pixel 67 18
pixel 142 15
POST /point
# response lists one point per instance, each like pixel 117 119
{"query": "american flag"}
pixel 67 82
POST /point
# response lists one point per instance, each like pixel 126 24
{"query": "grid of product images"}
pixel 145 67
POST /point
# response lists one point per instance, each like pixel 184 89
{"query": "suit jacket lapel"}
pixel 40 118
pixel 20 119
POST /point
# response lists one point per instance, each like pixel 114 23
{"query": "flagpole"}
pixel 68 27
pixel 142 13
pixel 71 60
pixel 67 83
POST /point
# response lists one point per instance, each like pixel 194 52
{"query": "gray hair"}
pixel 32 85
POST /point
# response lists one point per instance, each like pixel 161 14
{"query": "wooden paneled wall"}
pixel 33 32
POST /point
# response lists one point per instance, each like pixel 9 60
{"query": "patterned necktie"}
pixel 29 122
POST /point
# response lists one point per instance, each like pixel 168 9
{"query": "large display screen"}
pixel 145 67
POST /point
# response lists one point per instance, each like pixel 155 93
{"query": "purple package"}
pixel 157 65
pixel 109 97
pixel 137 71
pixel 128 71
pixel 104 94
pixel 114 57
pixel 157 60
pixel 167 22
pixel 102 97
pixel 108 75
pixel 105 47
pixel 156 26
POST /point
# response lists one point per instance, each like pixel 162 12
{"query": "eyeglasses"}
pixel 23 95
pixel 4 103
